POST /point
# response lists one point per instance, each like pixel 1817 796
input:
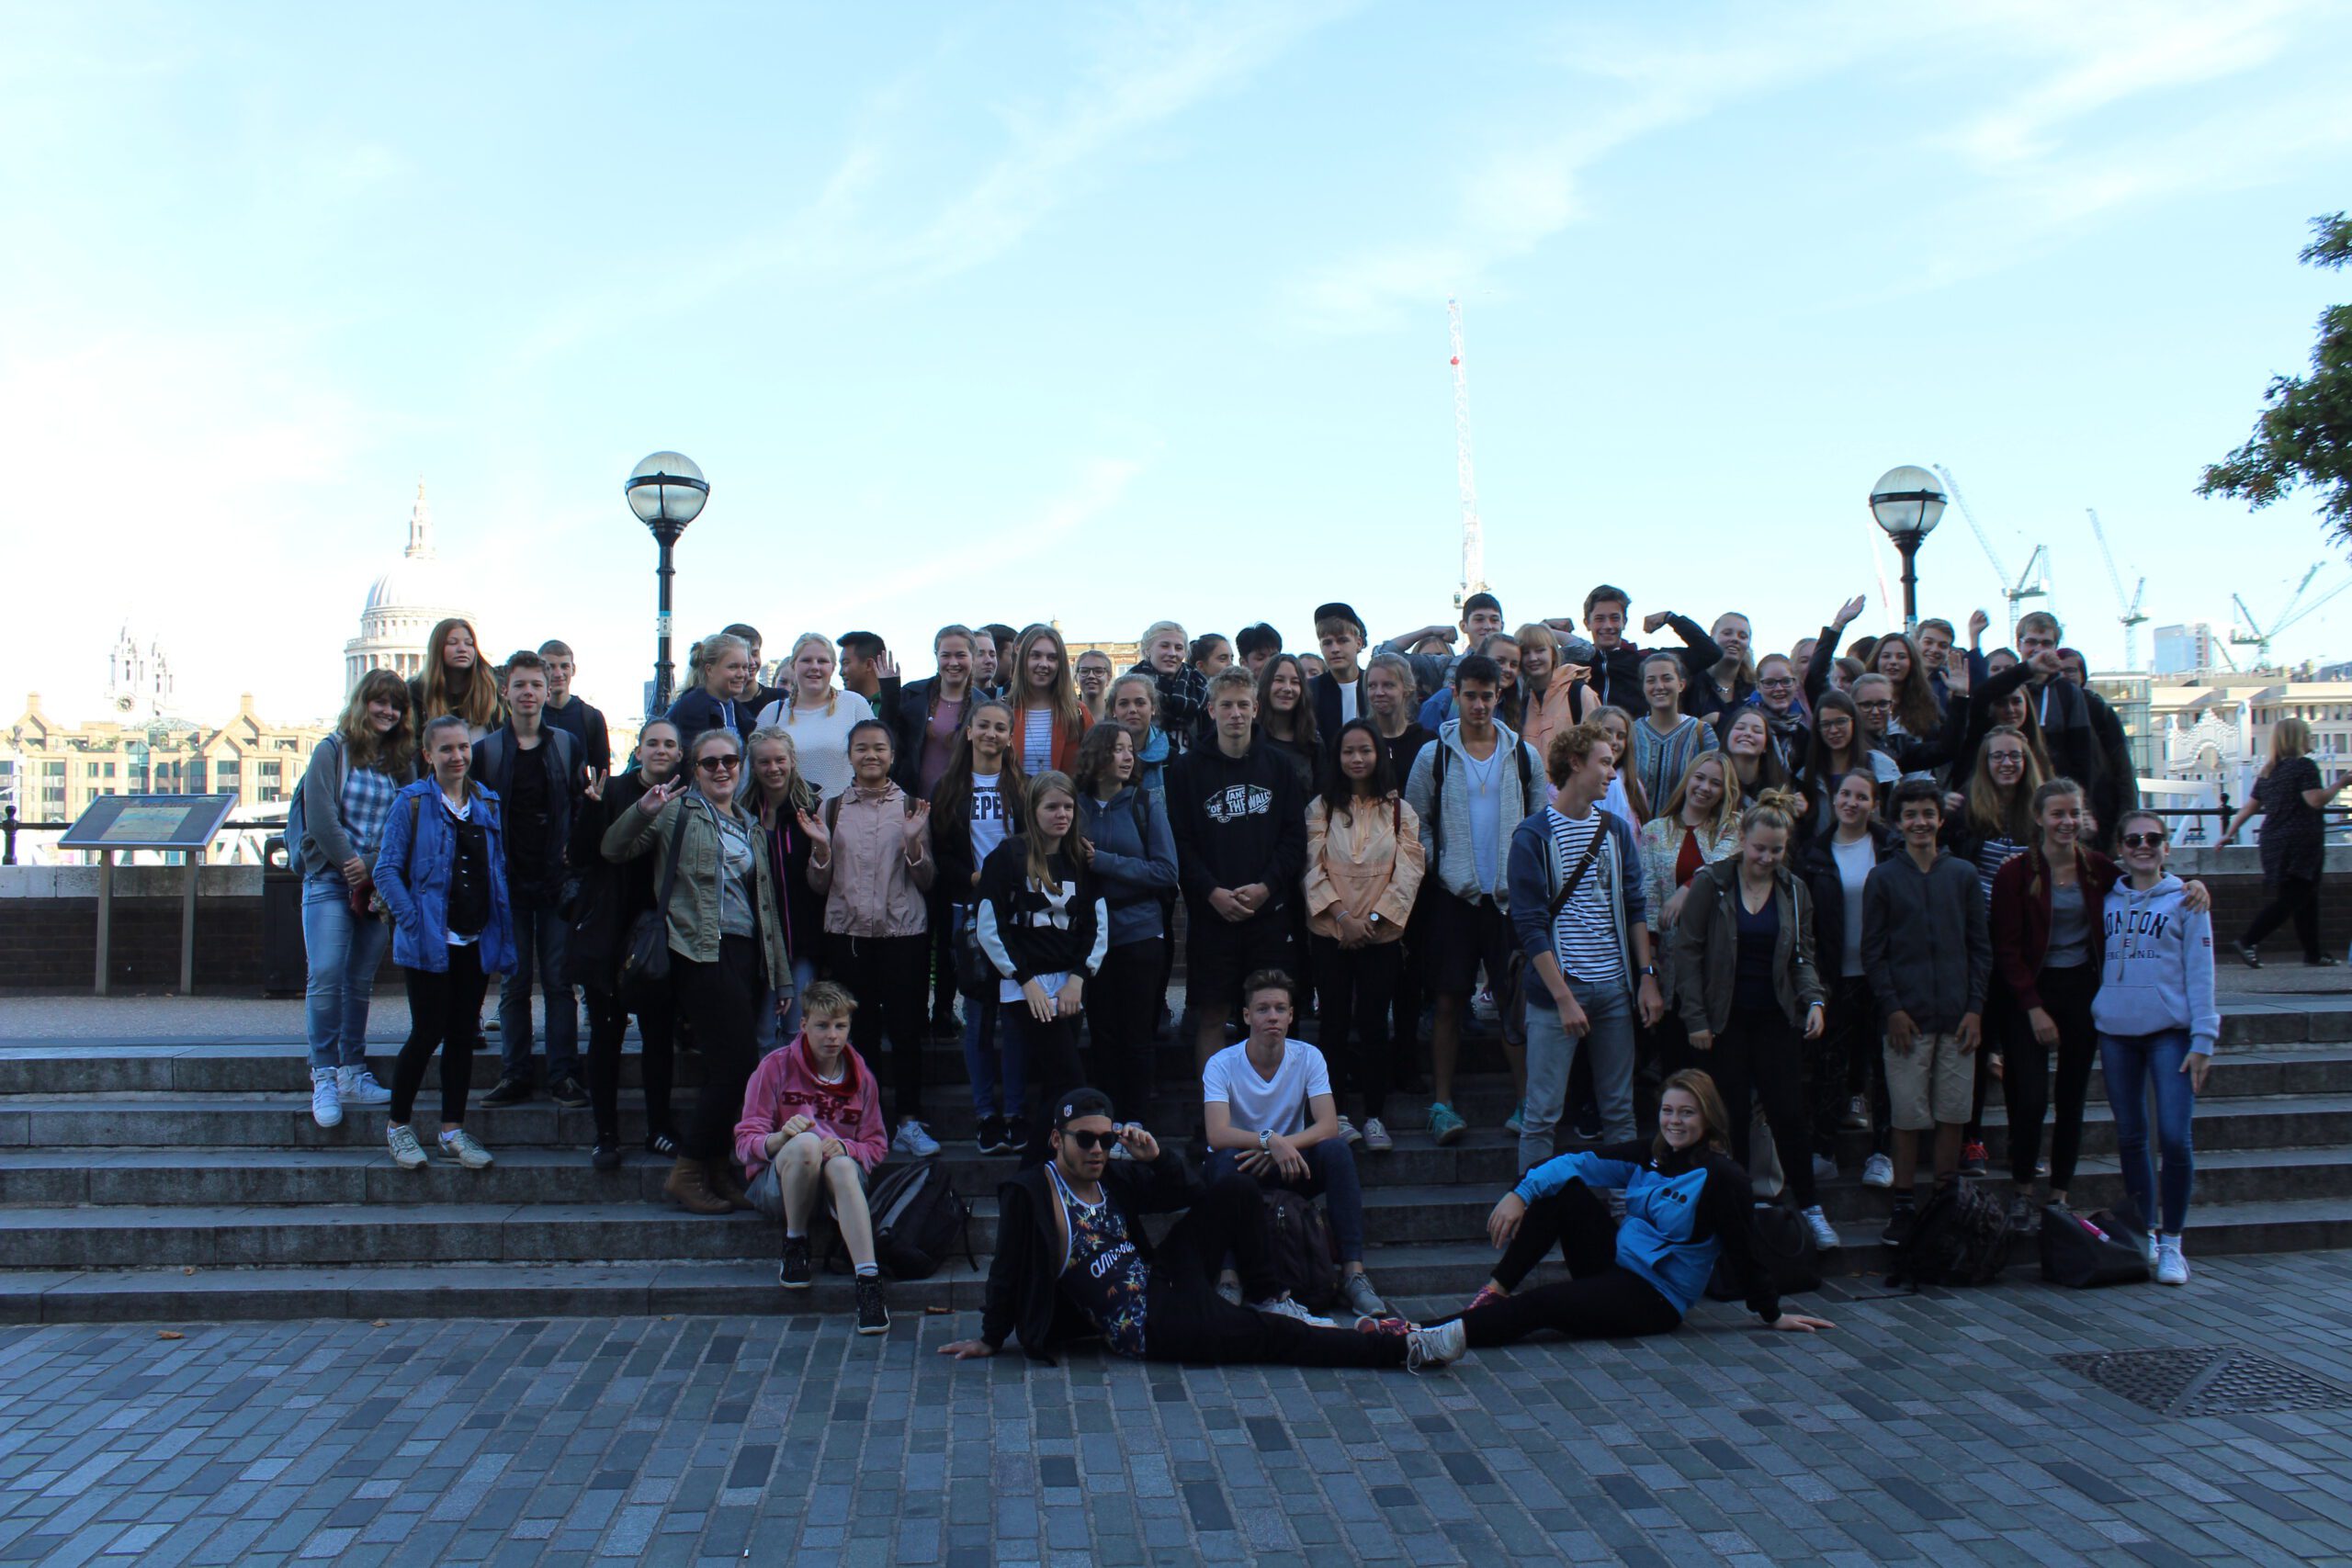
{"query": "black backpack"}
pixel 1961 1237
pixel 919 1221
pixel 1780 1243
pixel 2104 1249
pixel 1299 1249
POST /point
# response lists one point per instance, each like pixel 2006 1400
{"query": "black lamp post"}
pixel 666 492
pixel 1909 503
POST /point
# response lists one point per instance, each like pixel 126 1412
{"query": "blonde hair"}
pixel 800 795
pixel 792 689
pixel 1774 808
pixel 705 655
pixel 1727 814
pixel 2290 736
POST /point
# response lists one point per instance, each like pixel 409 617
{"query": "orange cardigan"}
pixel 1068 737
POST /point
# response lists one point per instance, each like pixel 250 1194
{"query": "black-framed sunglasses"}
pixel 726 765
pixel 2144 840
pixel 1089 1140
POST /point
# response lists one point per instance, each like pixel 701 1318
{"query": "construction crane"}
pixel 2032 583
pixel 2133 617
pixel 2258 639
pixel 1473 542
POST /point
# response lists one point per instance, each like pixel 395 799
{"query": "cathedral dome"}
pixel 404 603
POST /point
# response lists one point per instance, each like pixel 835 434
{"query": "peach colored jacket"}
pixel 1547 713
pixel 1371 862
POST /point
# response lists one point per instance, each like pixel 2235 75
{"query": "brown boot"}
pixel 728 1184
pixel 689 1183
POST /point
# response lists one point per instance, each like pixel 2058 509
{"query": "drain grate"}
pixel 2207 1381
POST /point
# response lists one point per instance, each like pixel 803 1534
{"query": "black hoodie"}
pixel 1238 821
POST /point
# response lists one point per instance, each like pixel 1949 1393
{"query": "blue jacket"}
pixel 1682 1212
pixel 412 875
pixel 1135 857
pixel 1534 880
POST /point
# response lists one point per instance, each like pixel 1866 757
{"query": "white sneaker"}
pixel 913 1141
pixel 406 1154
pixel 1376 1136
pixel 327 1105
pixel 458 1144
pixel 1289 1308
pixel 359 1087
pixel 2172 1268
pixel 2149 1244
pixel 1439 1347
pixel 1878 1171
pixel 1825 1235
pixel 1348 1133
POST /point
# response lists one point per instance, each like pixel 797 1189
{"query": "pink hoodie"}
pixel 785 1085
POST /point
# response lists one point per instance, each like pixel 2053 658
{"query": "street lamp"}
pixel 1909 503
pixel 666 492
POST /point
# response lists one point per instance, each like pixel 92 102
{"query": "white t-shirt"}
pixel 986 813
pixel 1854 863
pixel 1257 1104
pixel 822 739
pixel 1348 690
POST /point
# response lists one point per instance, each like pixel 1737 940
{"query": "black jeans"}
pixel 1757 1058
pixel 2025 1076
pixel 2295 898
pixel 1186 1320
pixel 942 956
pixel 1049 1061
pixel 444 1010
pixel 888 978
pixel 1122 1011
pixel 607 1023
pixel 1601 1299
pixel 718 1000
pixel 1359 988
pixel 1851 1045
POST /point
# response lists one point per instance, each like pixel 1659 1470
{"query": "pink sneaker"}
pixel 1488 1295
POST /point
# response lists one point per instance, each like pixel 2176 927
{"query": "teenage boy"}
pixel 927 725
pixel 534 771
pixel 1338 694
pixel 1482 617
pixel 984 662
pixel 575 717
pixel 1183 691
pixel 759 695
pixel 1470 787
pixel 1255 644
pixel 1388 691
pixel 1614 676
pixel 1073 1260
pixel 1930 958
pixel 1240 823
pixel 2065 718
pixel 1500 646
pixel 1271 1116
pixel 1002 639
pixel 867 669
pixel 1578 914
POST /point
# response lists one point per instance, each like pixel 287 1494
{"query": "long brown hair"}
pixel 952 800
pixel 1701 1087
pixel 1302 718
pixel 1069 708
pixel 1915 699
pixel 1040 861
pixel 1986 811
pixel 390 754
pixel 479 707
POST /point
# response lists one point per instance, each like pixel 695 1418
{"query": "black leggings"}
pixel 2025 1076
pixel 607 1023
pixel 1122 1011
pixel 1049 1061
pixel 887 976
pixel 718 1000
pixel 1359 986
pixel 1850 1062
pixel 1603 1300
pixel 1186 1320
pixel 2295 898
pixel 1756 1057
pixel 444 1010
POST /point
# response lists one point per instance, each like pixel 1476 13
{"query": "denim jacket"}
pixel 413 877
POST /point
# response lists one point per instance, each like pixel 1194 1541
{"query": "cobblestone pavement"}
pixel 1934 1429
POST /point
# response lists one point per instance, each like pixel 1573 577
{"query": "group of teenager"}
pixel 1816 891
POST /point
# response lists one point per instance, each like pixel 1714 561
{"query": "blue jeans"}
pixel 1330 1174
pixel 769 1029
pixel 2129 1064
pixel 539 938
pixel 1552 1054
pixel 344 952
pixel 983 1064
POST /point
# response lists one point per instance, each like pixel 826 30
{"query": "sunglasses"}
pixel 2144 840
pixel 1089 1141
pixel 726 765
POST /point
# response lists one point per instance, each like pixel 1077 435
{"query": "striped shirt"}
pixel 1584 936
pixel 1036 740
pixel 1659 760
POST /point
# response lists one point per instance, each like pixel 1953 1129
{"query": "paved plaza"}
pixel 1936 1428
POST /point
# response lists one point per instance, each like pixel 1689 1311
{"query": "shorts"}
pixel 767 1192
pixel 1219 955
pixel 1932 1082
pixel 1456 936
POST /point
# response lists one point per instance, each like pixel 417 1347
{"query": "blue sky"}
pixel 1106 313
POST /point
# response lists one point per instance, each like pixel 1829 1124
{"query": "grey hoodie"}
pixel 1446 833
pixel 2158 974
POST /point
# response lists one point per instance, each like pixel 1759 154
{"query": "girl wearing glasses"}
pixel 2157 1025
pixel 726 945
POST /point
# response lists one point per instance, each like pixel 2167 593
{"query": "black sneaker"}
pixel 606 1154
pixel 873 1317
pixel 2024 1218
pixel 568 1092
pixel 1588 1127
pixel 989 1140
pixel 660 1142
pixel 1899 1223
pixel 797 1272
pixel 510 1091
pixel 1016 1136
pixel 2247 952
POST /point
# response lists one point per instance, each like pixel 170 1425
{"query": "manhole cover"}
pixel 2207 1381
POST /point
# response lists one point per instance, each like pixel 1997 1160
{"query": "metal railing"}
pixel 11 824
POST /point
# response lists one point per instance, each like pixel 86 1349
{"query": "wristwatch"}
pixel 1265 1140
pixel 1650 969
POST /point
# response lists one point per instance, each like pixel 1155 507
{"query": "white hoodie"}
pixel 2158 974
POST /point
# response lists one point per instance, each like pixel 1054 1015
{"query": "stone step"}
pixel 1439 1274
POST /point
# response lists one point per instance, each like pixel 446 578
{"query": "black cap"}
pixel 1081 1102
pixel 1344 611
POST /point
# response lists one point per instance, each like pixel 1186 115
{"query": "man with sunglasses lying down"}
pixel 1073 1261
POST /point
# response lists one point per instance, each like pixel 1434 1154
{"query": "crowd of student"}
pixel 1826 892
